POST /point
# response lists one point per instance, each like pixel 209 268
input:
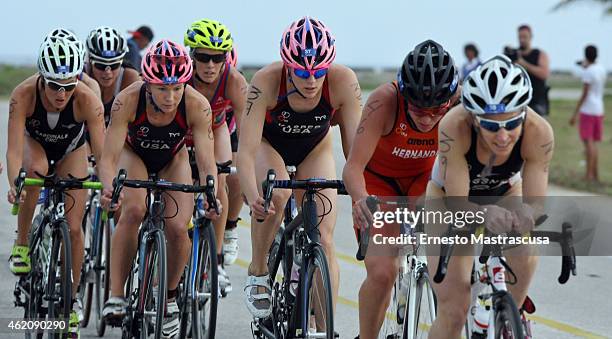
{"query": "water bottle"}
pixel 42 196
pixel 480 318
pixel 402 293
pixel 497 273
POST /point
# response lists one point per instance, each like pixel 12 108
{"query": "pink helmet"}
pixel 307 44
pixel 232 57
pixel 166 63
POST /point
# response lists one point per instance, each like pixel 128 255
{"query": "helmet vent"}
pixel 523 99
pixel 506 100
pixel 479 101
pixel 516 79
pixel 503 71
pixel 493 84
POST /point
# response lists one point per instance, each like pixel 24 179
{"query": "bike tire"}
pixel 60 299
pixel 417 289
pixel 85 287
pixel 102 274
pixel 322 300
pixel 33 309
pixel 155 271
pixel 507 318
pixel 204 321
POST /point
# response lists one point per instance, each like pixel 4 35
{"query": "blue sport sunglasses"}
pixel 306 73
pixel 495 125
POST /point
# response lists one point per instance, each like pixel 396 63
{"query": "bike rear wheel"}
pixel 59 287
pixel 102 274
pixel 507 319
pixel 153 288
pixel 204 303
pixel 319 304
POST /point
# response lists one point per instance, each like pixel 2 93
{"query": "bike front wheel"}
pixel 420 307
pixel 507 319
pixel 153 287
pixel 204 302
pixel 59 286
pixel 102 274
pixel 319 320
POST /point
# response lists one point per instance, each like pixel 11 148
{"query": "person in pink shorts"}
pixel 590 109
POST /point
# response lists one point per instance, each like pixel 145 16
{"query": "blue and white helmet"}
pixel 60 58
pixel 497 86
pixel 106 44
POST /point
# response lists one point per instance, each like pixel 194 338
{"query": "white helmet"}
pixel 67 34
pixel 106 44
pixel 60 58
pixel 497 86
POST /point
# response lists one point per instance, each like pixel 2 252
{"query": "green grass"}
pixel 11 76
pixel 566 169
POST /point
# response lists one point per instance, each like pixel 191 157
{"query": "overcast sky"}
pixel 368 33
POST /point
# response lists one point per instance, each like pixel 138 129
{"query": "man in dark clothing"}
pixel 535 61
pixel 139 41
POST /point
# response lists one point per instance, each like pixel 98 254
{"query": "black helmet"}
pixel 428 77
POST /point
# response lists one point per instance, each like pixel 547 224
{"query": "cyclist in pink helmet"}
pixel 290 108
pixel 147 133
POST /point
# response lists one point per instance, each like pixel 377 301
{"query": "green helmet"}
pixel 211 34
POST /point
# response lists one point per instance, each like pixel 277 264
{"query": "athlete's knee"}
pixel 132 215
pixel 177 232
pixel 453 307
pixel 382 275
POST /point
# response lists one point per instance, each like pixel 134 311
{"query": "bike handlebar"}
pixel 51 181
pixel 309 185
pixel 564 238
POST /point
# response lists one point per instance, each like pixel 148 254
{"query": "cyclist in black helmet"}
pixel 395 147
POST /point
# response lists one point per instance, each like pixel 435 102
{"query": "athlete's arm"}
pixel 237 93
pixel 130 76
pixel 259 95
pixel 91 111
pixel 453 143
pixel 92 84
pixel 537 153
pixel 19 104
pixel 122 113
pixel 377 117
pixel 199 119
pixel 346 89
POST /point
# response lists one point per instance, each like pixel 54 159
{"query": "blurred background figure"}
pixel 590 109
pixel 471 54
pixel 140 40
pixel 536 62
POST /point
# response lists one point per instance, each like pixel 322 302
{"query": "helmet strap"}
pixel 152 101
pixel 295 89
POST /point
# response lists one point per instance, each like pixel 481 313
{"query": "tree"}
pixel 607 4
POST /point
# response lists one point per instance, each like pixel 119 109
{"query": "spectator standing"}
pixel 590 110
pixel 140 40
pixel 535 62
pixel 471 53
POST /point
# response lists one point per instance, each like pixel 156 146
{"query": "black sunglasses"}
pixel 102 66
pixel 216 58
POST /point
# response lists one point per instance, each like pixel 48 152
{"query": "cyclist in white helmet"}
pixel 493 146
pixel 83 77
pixel 105 51
pixel 46 123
